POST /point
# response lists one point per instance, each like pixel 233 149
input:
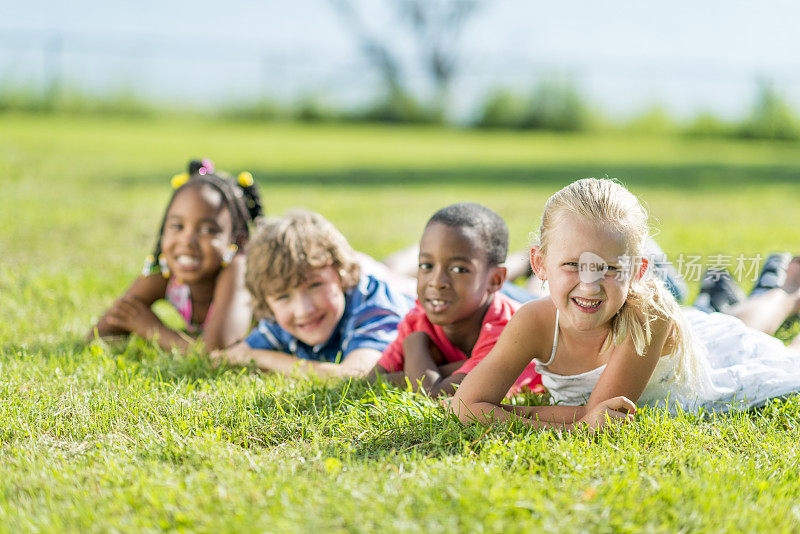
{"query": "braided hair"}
pixel 240 195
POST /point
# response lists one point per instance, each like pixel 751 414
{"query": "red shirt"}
pixel 497 316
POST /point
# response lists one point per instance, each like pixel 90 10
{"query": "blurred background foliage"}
pixel 554 105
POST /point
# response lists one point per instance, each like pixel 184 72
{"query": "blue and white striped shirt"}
pixel 372 312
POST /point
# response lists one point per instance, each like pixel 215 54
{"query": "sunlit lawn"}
pixel 133 438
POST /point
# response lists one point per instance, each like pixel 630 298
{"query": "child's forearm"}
pixel 446 386
pixel 397 378
pixel 215 340
pixel 449 368
pixel 102 329
pixel 422 371
pixel 438 380
pixel 541 417
pixel 169 339
pixel 281 362
pixel 557 414
pixel 232 315
pixel 447 381
pixel 166 338
pixel 419 365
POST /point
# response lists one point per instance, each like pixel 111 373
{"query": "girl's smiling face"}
pixel 585 302
pixel 197 231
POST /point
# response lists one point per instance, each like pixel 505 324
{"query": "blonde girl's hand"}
pixel 614 410
pixel 131 314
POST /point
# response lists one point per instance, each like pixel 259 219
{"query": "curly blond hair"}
pixel 284 251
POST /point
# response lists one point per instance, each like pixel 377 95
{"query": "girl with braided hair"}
pixel 196 264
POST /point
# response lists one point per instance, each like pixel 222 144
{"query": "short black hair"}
pixel 490 227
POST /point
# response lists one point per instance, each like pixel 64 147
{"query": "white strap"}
pixel 555 343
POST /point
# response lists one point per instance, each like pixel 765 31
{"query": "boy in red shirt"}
pixel 459 312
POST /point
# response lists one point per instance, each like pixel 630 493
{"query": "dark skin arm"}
pixel 135 317
pixel 232 315
pixel 425 367
pixel 132 313
pixel 128 313
pixel 398 378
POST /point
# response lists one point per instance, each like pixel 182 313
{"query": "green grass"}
pixel 132 438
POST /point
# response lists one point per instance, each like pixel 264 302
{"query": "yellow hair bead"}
pixel 163 266
pixel 179 179
pixel 245 179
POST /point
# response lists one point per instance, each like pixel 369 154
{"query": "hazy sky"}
pixel 624 54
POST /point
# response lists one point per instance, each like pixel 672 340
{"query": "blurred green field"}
pixel 137 439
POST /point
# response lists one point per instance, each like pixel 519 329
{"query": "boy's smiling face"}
pixel 311 310
pixel 454 280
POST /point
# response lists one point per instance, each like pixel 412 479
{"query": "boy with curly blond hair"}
pixel 319 313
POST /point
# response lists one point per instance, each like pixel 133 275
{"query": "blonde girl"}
pixel 610 336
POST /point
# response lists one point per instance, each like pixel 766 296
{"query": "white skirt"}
pixel 737 368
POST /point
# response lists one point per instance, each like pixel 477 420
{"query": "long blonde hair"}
pixel 608 202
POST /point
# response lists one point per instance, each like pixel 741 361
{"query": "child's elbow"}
pixel 374 375
pixel 212 343
pixel 217 340
pixel 104 330
pixel 440 389
pixel 462 409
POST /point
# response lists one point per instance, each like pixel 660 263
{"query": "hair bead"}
pixel 149 263
pixel 179 179
pixel 162 263
pixel 229 254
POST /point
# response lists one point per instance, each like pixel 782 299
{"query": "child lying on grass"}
pixel 460 312
pixel 610 336
pixel 196 265
pixel 319 312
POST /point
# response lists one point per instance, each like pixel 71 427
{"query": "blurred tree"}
pixel 707 124
pixel 771 117
pixel 654 120
pixel 557 105
pixel 435 27
pixel 503 108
